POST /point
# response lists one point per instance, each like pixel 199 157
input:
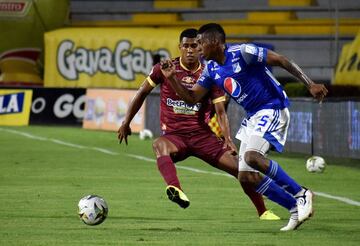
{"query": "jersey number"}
pixel 263 120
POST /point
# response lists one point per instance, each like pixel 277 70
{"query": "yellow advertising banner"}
pixel 15 107
pixel 105 109
pixel 348 69
pixel 105 57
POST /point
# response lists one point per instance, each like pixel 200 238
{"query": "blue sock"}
pixel 282 179
pixel 275 193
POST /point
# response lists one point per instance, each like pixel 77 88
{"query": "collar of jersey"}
pixel 185 68
pixel 226 53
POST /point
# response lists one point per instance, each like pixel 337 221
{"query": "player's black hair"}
pixel 213 28
pixel 188 33
pixel 156 59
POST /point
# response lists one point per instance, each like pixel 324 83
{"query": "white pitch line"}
pixel 339 198
pixel 139 157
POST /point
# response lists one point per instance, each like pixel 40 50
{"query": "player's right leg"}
pixel 267 187
pixel 164 148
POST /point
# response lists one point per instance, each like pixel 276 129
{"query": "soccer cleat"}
pixel 304 204
pixel 293 224
pixel 269 215
pixel 178 196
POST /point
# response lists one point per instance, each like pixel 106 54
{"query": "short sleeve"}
pixel 155 76
pixel 205 80
pixel 217 94
pixel 253 54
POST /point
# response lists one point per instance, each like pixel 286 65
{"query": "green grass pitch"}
pixel 44 171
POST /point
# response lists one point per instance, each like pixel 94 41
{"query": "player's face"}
pixel 189 50
pixel 207 46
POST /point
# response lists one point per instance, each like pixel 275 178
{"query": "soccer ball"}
pixel 145 134
pixel 93 209
pixel 315 164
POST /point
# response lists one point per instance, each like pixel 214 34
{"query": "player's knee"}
pixel 158 146
pixel 243 177
pixel 246 177
pixel 252 158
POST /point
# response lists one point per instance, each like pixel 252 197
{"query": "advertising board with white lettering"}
pixel 105 57
pixel 15 107
pixel 56 106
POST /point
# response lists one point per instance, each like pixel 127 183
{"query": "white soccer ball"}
pixel 93 209
pixel 315 164
pixel 145 134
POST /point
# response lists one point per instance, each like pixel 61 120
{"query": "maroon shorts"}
pixel 202 143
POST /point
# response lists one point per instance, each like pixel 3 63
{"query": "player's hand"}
pixel 167 68
pixel 229 144
pixel 318 91
pixel 123 132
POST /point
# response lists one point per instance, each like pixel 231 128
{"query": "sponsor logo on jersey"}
pixel 181 104
pixel 236 68
pixel 188 80
pixel 232 87
pixel 242 98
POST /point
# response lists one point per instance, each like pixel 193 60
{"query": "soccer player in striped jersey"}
pixel 184 129
pixel 240 70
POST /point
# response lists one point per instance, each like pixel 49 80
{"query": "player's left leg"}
pixel 228 163
pixel 248 177
pixel 164 147
pixel 209 148
pixel 256 134
pixel 268 187
pixel 274 171
pixel 270 129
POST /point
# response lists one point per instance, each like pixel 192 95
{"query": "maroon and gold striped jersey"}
pixel 175 114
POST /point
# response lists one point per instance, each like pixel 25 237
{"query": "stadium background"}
pixel 80 62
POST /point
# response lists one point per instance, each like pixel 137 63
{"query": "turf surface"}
pixel 44 171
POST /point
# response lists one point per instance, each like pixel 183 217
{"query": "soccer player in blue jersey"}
pixel 184 131
pixel 240 70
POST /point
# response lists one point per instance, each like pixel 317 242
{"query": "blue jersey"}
pixel 246 79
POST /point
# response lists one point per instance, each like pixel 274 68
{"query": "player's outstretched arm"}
pixel 134 106
pixel 318 91
pixel 190 96
pixel 224 126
